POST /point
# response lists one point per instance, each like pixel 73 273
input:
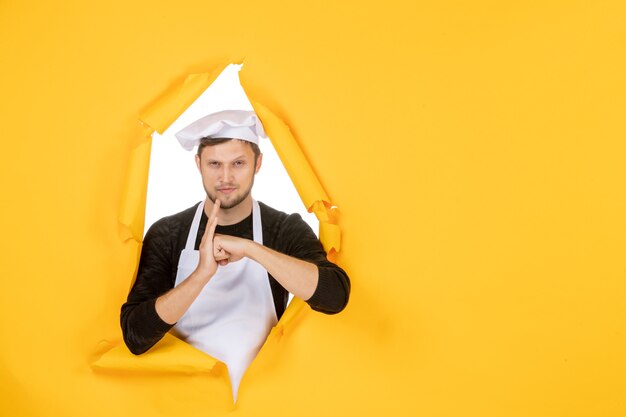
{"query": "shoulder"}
pixel 288 233
pixel 182 216
pixel 169 226
pixel 271 214
pixel 279 220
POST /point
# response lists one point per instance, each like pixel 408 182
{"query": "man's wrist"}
pixel 252 250
pixel 201 275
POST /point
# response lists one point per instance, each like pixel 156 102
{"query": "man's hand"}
pixel 207 265
pixel 295 275
pixel 228 249
pixel 172 305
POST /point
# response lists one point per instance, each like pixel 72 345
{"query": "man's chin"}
pixel 227 203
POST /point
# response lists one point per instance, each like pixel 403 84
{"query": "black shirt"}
pixel 289 234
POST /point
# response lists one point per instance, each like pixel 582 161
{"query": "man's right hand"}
pixel 207 266
pixel 172 305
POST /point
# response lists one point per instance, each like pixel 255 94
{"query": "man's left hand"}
pixel 228 249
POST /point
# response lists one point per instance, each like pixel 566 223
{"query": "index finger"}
pixel 209 233
pixel 216 209
pixel 211 224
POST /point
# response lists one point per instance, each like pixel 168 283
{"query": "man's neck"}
pixel 233 215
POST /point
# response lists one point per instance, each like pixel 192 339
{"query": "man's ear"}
pixel 198 162
pixel 259 160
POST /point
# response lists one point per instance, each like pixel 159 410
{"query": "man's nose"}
pixel 227 172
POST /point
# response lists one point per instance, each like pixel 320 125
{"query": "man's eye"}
pixel 214 164
pixel 239 163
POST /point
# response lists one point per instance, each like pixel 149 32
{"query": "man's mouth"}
pixel 226 190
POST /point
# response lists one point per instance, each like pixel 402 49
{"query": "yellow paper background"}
pixel 475 151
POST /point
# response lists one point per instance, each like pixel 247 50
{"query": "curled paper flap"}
pixel 132 209
pixel 330 236
pixel 166 109
pixel 297 166
pixel 330 233
pixel 160 359
pixel 293 310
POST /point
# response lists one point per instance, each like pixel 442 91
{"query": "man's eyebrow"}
pixel 242 156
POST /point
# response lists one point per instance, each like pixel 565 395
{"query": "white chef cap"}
pixel 236 124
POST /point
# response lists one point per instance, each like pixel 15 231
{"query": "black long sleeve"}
pixel 141 325
pixel 288 234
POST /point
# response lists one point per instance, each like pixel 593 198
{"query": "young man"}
pixel 218 274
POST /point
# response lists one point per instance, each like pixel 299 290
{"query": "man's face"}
pixel 228 171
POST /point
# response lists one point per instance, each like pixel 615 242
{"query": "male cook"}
pixel 218 274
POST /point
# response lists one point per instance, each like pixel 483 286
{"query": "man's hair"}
pixel 216 141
